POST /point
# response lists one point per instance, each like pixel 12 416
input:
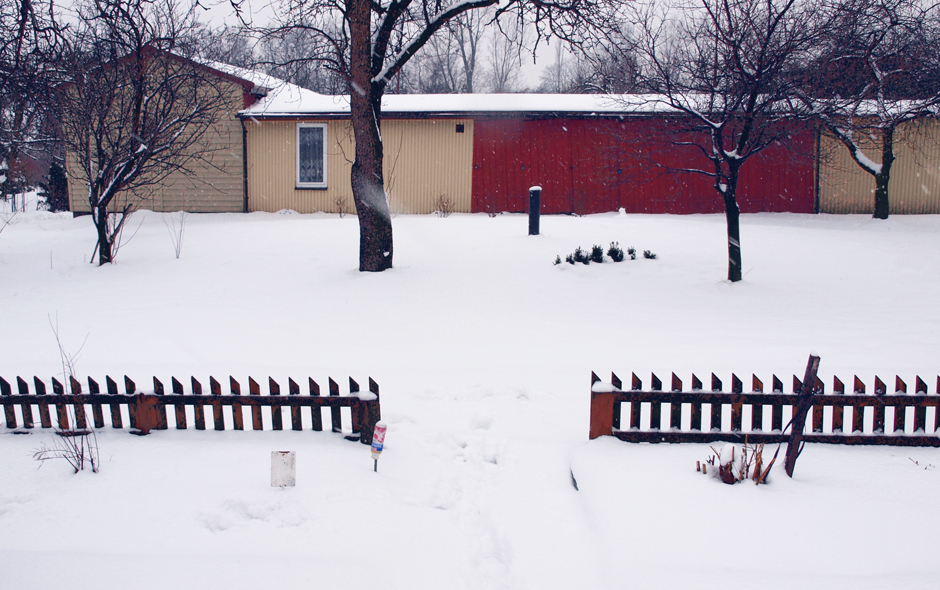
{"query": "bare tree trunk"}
pixel 882 204
pixel 733 216
pixel 368 184
pixel 104 240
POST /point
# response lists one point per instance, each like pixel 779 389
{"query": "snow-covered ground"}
pixel 483 350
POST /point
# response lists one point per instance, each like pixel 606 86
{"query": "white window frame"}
pixel 313 185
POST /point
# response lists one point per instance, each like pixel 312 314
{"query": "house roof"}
pixel 285 100
pixel 280 99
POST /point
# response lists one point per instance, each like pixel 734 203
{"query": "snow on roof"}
pixel 288 100
pixel 283 99
pixel 259 79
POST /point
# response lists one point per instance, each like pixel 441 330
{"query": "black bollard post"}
pixel 535 205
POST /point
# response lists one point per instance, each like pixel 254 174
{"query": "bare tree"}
pixel 286 57
pixel 228 45
pixel 368 43
pixel 134 111
pixel 505 54
pixel 30 46
pixel 449 63
pixel 594 69
pixel 726 68
pixel 559 77
pixel 607 65
pixel 878 69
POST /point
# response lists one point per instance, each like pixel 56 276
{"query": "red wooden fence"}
pixel 147 411
pixel 899 418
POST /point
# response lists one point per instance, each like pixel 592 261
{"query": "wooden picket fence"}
pixel 898 418
pixel 147 411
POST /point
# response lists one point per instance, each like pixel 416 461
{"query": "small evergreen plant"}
pixel 581 256
pixel 615 253
pixel 56 189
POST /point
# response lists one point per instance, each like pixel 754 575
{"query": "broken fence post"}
pixel 799 415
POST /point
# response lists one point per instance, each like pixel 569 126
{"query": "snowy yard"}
pixel 483 350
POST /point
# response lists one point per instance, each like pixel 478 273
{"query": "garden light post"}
pixel 535 204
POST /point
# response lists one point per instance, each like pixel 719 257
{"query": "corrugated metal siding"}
pixel 597 165
pixel 213 186
pixel 272 174
pixel 915 176
pixel 424 159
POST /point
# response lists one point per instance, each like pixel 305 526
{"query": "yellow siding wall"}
pixel 424 160
pixel 214 185
pixel 915 176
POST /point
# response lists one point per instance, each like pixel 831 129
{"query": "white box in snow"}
pixel 283 469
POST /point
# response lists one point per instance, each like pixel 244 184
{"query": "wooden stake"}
pixel 799 419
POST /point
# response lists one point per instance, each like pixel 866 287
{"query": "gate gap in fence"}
pixel 147 411
pixel 901 418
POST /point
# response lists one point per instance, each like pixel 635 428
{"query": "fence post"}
pixel 535 205
pixel 602 411
pixel 146 412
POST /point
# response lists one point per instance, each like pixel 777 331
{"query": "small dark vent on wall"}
pixel 459 127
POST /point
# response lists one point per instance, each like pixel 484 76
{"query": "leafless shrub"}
pixel 6 221
pixel 342 206
pixel 175 223
pixel 77 447
pixel 444 206
pixel 736 464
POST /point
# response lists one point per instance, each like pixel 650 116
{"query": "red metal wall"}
pixel 597 165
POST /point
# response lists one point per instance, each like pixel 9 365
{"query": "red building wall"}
pixel 597 165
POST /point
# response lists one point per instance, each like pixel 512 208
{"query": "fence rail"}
pixel 899 418
pixel 147 411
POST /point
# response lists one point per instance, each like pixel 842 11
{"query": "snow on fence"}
pixel 877 418
pixel 147 411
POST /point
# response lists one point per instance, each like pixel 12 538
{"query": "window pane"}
pixel 311 154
